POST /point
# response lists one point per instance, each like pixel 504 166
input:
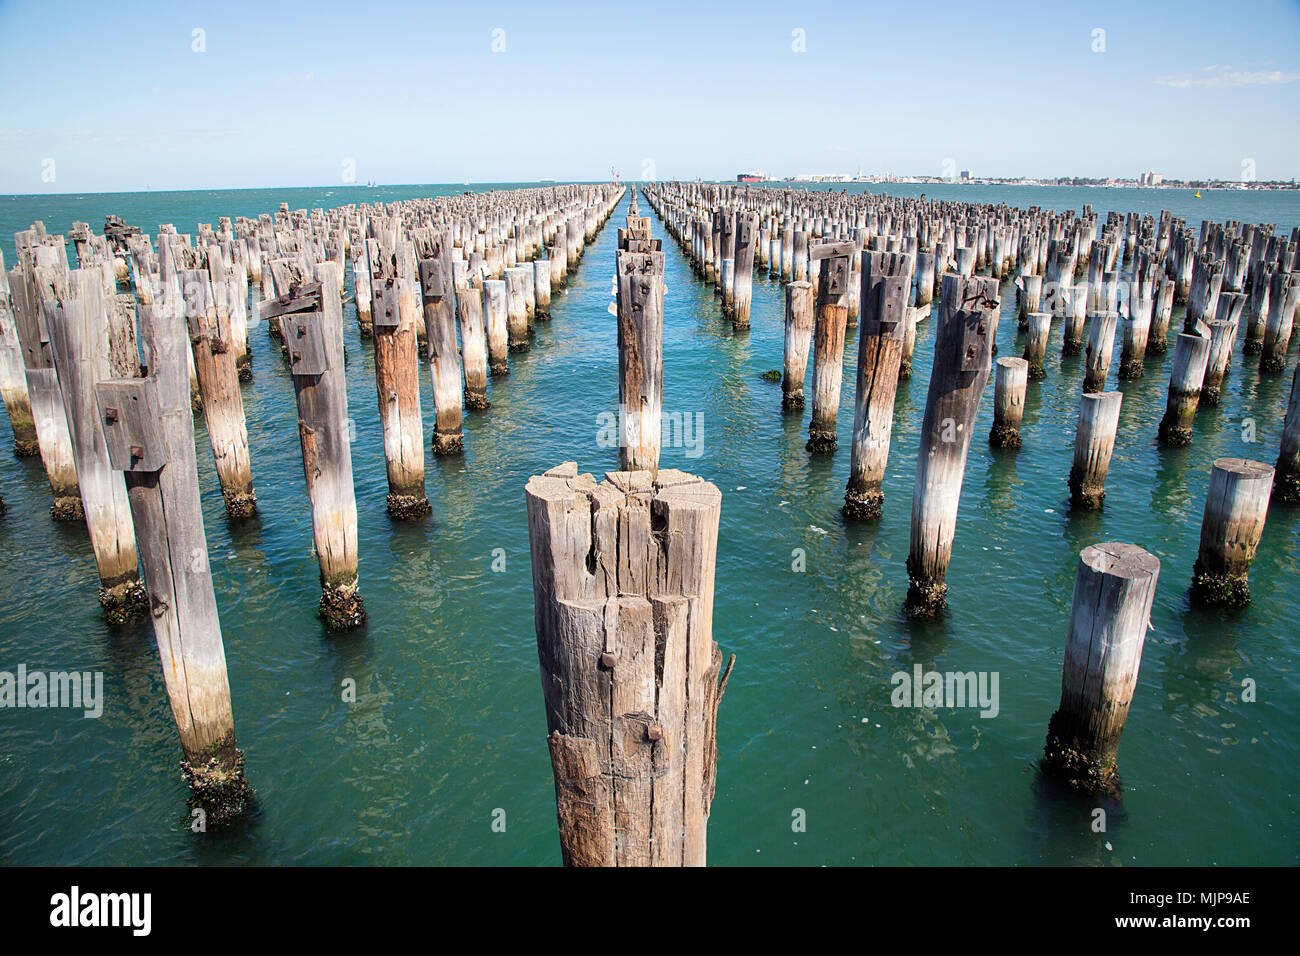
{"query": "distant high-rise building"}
pixel 966 176
pixel 1150 179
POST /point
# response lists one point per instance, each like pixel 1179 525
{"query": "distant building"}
pixel 966 176
pixel 1150 179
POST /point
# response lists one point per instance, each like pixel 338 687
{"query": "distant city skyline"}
pixel 256 96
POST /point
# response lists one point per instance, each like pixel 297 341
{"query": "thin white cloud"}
pixel 1220 78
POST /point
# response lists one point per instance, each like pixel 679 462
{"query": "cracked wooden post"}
pixel 798 337
pixel 1236 505
pixel 223 406
pixel 640 306
pixel 742 295
pixel 1101 346
pixel 516 308
pixel 1286 477
pixel 1161 313
pixel 1038 326
pixel 397 382
pixel 148 429
pixel 1010 383
pixel 1283 298
pixel 883 303
pixel 542 288
pixel 433 252
pixel 48 416
pixel 361 290
pixel 1029 293
pixel 313 334
pixel 13 378
pixel 623 576
pixel 1073 303
pixel 77 325
pixel 1094 443
pixel 962 361
pixel 1223 337
pixel 1137 329
pixel 498 332
pixel 1191 354
pixel 1114 587
pixel 830 324
pixel 473 345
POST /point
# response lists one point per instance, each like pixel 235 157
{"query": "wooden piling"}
pixel 1236 504
pixel 1191 354
pixel 623 576
pixel 315 341
pixel 1114 588
pixel 962 362
pixel 473 345
pixel 149 434
pixel 1137 330
pixel 397 381
pixel 640 306
pixel 1094 443
pixel 13 379
pixel 517 308
pixel 1286 476
pixel 1038 329
pixel 830 323
pixel 495 314
pixel 1009 386
pixel 1101 346
pixel 883 302
pixel 798 336
pixel 48 415
pixel 1283 299
pixel 212 347
pixel 433 255
pixel 77 324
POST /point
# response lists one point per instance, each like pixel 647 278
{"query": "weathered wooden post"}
pixel 1191 353
pixel 473 345
pixel 1010 383
pixel 743 270
pixel 498 333
pixel 1137 328
pixel 516 308
pixel 1236 504
pixel 1223 337
pixel 1038 327
pixel 1101 346
pixel 883 303
pixel 314 336
pixel 640 305
pixel 798 336
pixel 542 287
pixel 48 415
pixel 962 361
pixel 77 325
pixel 214 356
pixel 623 578
pixel 148 429
pixel 1114 588
pixel 397 381
pixel 1283 298
pixel 433 253
pixel 1286 476
pixel 1094 443
pixel 13 379
pixel 361 289
pixel 830 323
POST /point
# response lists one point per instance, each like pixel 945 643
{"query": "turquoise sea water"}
pixel 449 727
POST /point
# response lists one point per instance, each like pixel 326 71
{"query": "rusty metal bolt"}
pixel 608 660
pixel 654 732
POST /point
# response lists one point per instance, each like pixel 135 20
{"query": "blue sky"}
pixel 101 96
